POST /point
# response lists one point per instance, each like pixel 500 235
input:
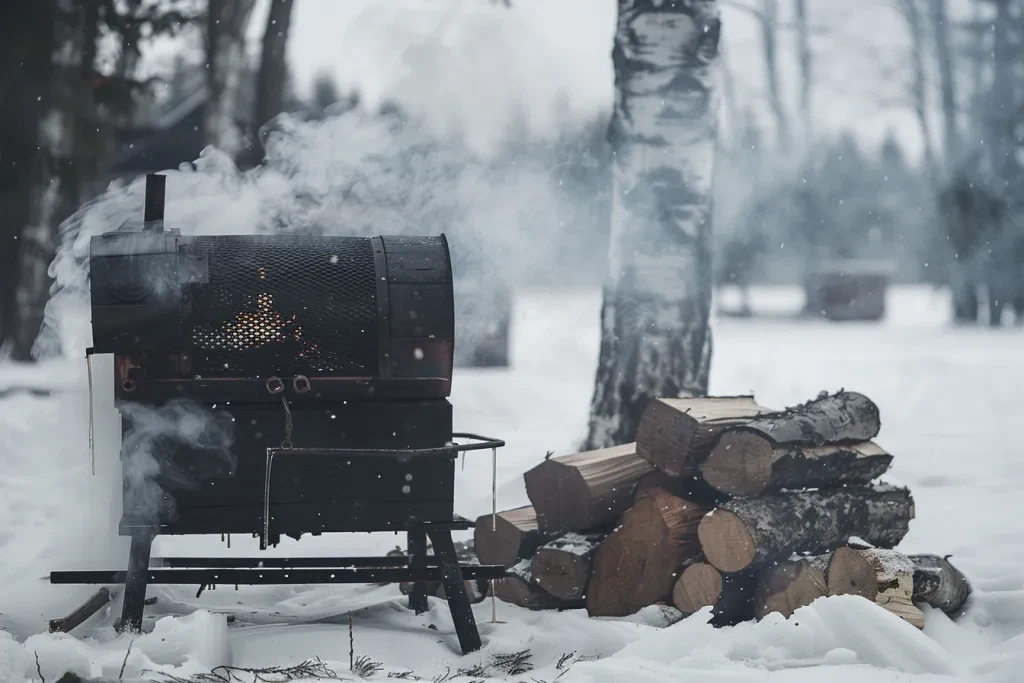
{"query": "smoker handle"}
pixel 483 442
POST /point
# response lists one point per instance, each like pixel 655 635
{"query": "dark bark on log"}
pixel 272 74
pixel 885 577
pixel 939 584
pixel 82 613
pixel 843 417
pixel 511 537
pixel 787 585
pixel 562 567
pixel 637 565
pixel 729 595
pixel 676 434
pixel 520 588
pixel 747 463
pixel 584 491
pixel 748 531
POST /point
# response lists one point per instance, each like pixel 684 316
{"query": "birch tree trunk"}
pixel 655 339
pixel 919 78
pixel 803 38
pixel 947 82
pixel 225 51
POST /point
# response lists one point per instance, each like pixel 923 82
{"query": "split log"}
pixel 82 613
pixel 746 463
pixel 675 434
pixel 520 588
pixel 584 491
pixel 729 595
pixel 562 567
pixel 748 531
pixel 939 584
pixel 788 585
pixel 656 479
pixel 637 565
pixel 885 577
pixel 513 536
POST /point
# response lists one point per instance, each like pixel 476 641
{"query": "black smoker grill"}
pixel 322 366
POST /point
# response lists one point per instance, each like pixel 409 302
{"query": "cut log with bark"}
pixel 787 585
pixel 885 577
pixel 520 588
pixel 748 531
pixel 939 584
pixel 78 617
pixel 562 567
pixel 638 564
pixel 842 417
pixel 675 434
pixel 745 462
pixel 508 538
pixel 729 595
pixel 584 491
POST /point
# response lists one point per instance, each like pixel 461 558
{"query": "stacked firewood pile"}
pixel 720 502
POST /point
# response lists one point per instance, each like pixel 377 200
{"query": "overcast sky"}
pixel 468 63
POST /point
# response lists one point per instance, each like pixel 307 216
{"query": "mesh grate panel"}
pixel 285 305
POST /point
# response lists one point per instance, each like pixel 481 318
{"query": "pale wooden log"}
pixel 885 577
pixel 842 417
pixel 748 531
pixel 675 434
pixel 637 565
pixel 584 491
pixel 520 588
pixel 729 595
pixel 787 585
pixel 513 535
pixel 747 463
pixel 562 567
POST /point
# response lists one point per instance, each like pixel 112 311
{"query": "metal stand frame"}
pixel 418 567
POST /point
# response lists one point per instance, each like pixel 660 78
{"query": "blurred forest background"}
pixel 78 111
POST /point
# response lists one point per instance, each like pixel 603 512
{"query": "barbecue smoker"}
pixel 329 360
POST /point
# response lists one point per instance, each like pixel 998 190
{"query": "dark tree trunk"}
pixel 655 339
pixel 769 19
pixel 27 44
pixel 225 51
pixel 270 83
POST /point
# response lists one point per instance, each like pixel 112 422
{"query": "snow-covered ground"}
pixel 949 400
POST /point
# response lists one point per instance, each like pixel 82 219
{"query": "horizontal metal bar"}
pixel 485 443
pixel 279 562
pixel 259 577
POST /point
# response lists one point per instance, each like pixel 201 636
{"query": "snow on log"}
pixel 939 584
pixel 637 565
pixel 509 538
pixel 584 491
pixel 562 566
pixel 787 585
pixel 675 434
pixel 746 531
pixel 746 463
pixel 520 588
pixel 842 417
pixel 729 595
pixel 885 577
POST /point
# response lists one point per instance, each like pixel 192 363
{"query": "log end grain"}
pixel 787 586
pixel 740 464
pixel 699 586
pixel 727 543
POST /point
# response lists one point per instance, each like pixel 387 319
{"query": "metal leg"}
pixel 418 558
pixel 135 584
pixel 455 589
